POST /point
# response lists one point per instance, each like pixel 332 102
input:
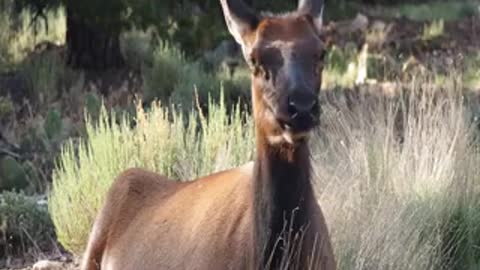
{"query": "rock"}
pixel 47 265
pixel 360 23
pixel 379 26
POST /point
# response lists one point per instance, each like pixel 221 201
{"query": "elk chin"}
pixel 280 133
pixel 287 136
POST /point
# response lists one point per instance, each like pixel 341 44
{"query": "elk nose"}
pixel 302 105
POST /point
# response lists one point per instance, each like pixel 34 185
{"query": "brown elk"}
pixel 263 215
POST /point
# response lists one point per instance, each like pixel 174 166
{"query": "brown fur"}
pixel 234 219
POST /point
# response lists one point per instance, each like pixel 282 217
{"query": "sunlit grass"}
pixel 472 71
pixel 18 36
pixel 433 30
pixel 178 149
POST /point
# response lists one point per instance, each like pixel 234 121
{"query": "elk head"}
pixel 285 54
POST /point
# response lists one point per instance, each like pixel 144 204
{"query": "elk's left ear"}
pixel 240 19
pixel 314 9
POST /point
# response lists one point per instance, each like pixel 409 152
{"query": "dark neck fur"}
pixel 282 190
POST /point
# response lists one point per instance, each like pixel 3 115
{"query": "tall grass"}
pixel 398 180
pixel 397 177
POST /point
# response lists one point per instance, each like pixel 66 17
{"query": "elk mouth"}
pixel 297 129
pixel 299 124
pixel 292 128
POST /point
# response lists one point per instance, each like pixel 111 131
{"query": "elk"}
pixel 262 215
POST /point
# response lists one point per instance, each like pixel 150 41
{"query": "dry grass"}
pixel 398 180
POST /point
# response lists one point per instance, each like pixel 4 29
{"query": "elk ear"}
pixel 241 20
pixel 314 9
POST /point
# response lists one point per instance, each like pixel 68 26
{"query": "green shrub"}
pixel 93 105
pixel 25 224
pixel 193 78
pixel 237 87
pixel 161 78
pixel 471 75
pixel 181 148
pixel 172 79
pixel 53 125
pixel 12 174
pixel 43 73
pixel 7 108
pixel 342 66
pixel 136 46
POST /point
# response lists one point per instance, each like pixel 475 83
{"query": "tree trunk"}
pixel 91 47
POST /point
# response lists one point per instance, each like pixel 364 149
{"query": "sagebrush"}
pixel 162 140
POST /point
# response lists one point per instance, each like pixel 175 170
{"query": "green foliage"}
pixel 461 229
pixel 93 105
pixel 342 66
pixel 194 81
pixel 238 87
pixel 43 73
pixel 162 141
pixel 12 174
pixel 53 125
pixel 166 71
pixel 434 10
pixel 471 74
pixel 137 47
pixel 173 79
pixel 6 108
pixel 24 223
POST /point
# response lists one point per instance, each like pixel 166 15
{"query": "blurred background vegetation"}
pixel 79 79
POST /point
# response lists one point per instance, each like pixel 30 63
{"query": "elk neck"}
pixel 282 193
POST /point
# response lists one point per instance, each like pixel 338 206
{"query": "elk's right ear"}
pixel 241 20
